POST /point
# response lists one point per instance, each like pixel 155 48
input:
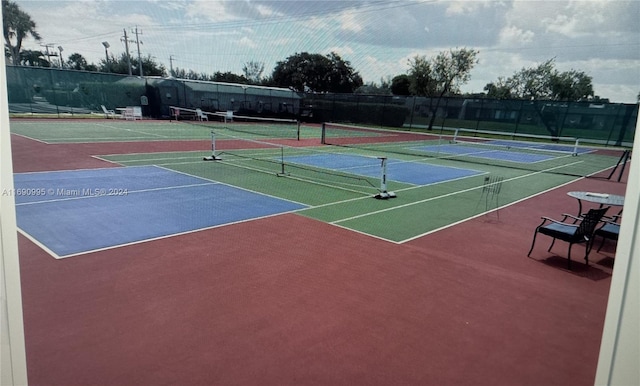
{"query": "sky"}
pixel 600 38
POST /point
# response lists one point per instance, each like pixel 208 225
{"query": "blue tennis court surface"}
pixel 408 172
pixel 479 152
pixel 87 210
pixel 542 146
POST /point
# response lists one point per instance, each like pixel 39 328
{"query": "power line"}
pixel 381 5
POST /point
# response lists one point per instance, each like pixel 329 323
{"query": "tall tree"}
pixel 571 85
pixel 228 77
pixel 543 81
pixel 151 68
pixel 420 76
pixel 120 65
pixel 316 73
pixel 499 89
pixel 342 78
pixel 253 71
pixel 533 82
pixel 77 62
pixel 33 58
pixel 442 75
pixel 382 88
pixel 17 25
pixel 401 85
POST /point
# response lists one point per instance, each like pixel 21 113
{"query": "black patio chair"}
pixel 609 230
pixel 581 231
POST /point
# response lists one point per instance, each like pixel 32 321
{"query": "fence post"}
pixel 479 114
pixel 518 117
pixel 564 118
pixel 446 112
pixel 55 97
pixel 413 110
pixel 614 124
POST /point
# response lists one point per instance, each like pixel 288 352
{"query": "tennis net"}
pixel 356 174
pixel 565 156
pixel 238 124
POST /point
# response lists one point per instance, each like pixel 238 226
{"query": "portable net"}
pixel 263 157
pixel 565 156
pixel 251 126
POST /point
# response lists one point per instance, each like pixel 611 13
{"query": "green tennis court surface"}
pixel 330 181
pixel 417 210
pixel 115 130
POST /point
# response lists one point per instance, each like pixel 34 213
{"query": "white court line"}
pixel 132 130
pixel 158 159
pixel 79 170
pixel 38 243
pixel 33 139
pixel 159 152
pixel 55 256
pixel 214 182
pixel 206 183
pixel 106 160
pixel 114 195
pixel 444 195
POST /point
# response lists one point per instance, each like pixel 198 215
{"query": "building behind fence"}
pixel 63 92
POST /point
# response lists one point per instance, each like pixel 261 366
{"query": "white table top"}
pixel 599 198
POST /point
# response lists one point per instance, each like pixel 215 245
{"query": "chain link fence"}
pixel 37 90
pixel 60 92
pixel 605 123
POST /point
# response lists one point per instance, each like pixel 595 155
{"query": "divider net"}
pixel 308 164
pixel 261 126
pixel 545 154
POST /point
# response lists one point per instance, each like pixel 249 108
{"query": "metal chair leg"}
pixel 535 234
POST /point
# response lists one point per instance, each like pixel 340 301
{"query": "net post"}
pixel 213 156
pixel 282 170
pixel 383 181
pixel 323 134
pixel 298 130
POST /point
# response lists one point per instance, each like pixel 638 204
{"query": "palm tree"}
pixel 17 25
pixel 33 59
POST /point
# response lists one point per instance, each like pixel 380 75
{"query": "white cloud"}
pixel 265 11
pixel 342 51
pixel 349 22
pixel 210 10
pixel 599 37
pixel 456 7
pixel 246 42
pixel 512 36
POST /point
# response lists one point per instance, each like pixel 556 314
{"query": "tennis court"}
pixel 88 210
pixel 438 182
pixel 276 263
pixel 114 130
pixel 398 170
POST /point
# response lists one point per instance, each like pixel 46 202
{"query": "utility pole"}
pixel 138 42
pixel 171 65
pixel 125 39
pixel 49 54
